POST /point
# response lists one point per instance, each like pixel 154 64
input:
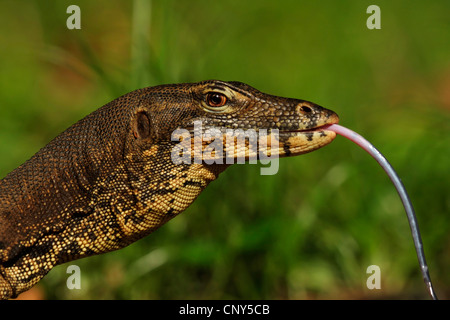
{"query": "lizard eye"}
pixel 216 100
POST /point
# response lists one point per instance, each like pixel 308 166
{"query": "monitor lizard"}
pixel 110 179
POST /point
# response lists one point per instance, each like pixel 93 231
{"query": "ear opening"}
pixel 142 126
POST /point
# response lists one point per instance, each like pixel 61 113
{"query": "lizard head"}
pixel 182 136
pixel 224 114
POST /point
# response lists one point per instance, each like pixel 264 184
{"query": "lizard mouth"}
pixel 319 128
pixel 274 143
pixel 300 141
pixel 333 119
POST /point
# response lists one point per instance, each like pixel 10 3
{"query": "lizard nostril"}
pixel 305 109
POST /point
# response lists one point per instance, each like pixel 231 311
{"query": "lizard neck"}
pixel 159 190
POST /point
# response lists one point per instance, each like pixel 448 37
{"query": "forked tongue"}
pixel 366 145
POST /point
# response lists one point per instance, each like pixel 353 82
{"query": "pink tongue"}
pixel 366 145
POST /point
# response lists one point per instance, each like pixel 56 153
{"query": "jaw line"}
pixel 319 128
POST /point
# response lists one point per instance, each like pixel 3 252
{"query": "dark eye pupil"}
pixel 216 100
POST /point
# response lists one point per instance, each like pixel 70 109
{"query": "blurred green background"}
pixel 308 232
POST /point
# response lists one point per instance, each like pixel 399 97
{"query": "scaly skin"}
pixel 109 180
